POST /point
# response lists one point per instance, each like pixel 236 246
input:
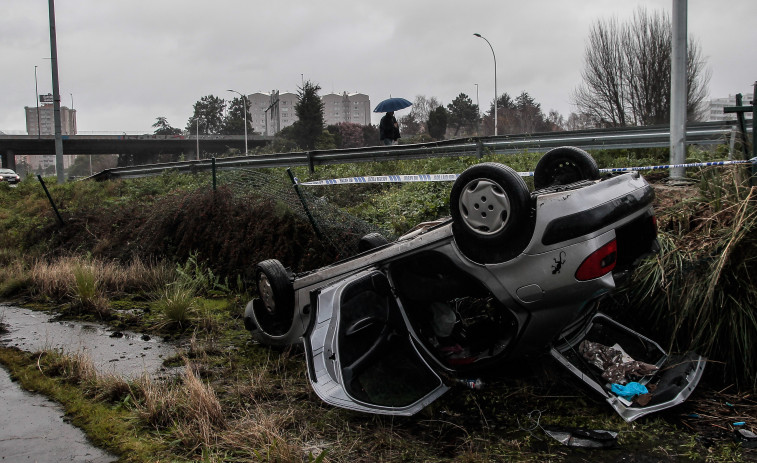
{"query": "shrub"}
pixel 701 285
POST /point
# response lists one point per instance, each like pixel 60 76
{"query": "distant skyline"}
pixel 123 64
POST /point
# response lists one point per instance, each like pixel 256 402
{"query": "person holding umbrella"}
pixel 389 129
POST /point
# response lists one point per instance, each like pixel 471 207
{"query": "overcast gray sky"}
pixel 127 62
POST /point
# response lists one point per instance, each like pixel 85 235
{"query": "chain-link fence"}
pixel 330 222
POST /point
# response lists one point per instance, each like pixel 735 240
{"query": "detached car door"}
pixel 360 354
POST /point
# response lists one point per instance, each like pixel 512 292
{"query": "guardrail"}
pixel 708 133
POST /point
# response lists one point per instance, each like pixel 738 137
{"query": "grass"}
pixel 107 426
pixel 63 277
pixel 235 401
pixel 177 304
pixel 701 286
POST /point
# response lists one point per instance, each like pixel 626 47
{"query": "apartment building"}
pixel 716 113
pixel 271 112
pixel 347 107
pixel 45 123
pixel 41 121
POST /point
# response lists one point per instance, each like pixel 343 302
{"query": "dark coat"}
pixel 388 129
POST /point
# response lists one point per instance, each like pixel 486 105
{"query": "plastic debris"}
pixel 747 438
pixel 739 423
pixel 475 384
pixel 616 365
pixel 581 437
pixel 629 390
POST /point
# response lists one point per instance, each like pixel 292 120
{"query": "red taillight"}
pixel 599 263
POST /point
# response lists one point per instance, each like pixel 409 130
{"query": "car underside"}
pixel 511 276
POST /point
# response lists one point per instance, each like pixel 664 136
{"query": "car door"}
pixel 671 383
pixel 359 351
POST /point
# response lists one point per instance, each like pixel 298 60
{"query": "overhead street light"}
pixel 495 80
pixel 244 103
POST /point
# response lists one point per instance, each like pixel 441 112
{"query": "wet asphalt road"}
pixel 32 429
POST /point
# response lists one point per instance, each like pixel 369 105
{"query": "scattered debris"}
pixel 581 437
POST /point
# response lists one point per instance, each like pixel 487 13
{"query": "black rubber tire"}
pixel 277 294
pixel 490 208
pixel 370 241
pixel 564 165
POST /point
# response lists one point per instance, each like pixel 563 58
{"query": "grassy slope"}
pixel 237 401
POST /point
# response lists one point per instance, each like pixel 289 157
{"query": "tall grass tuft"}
pixel 14 279
pixel 199 277
pixel 86 291
pixel 702 285
pixel 191 409
pixel 177 303
pixel 79 369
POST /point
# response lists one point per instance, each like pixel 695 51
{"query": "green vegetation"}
pixel 168 256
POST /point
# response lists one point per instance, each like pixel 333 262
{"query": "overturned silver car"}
pixel 510 276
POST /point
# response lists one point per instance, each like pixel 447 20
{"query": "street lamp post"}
pixel 36 98
pixel 478 112
pixel 244 103
pixel 495 80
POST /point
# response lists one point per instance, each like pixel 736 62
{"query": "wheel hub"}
pixel 266 293
pixel 484 206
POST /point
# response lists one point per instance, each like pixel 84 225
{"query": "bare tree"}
pixel 627 72
pixel 580 121
pixel 422 107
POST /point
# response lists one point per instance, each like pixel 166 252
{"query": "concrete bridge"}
pixel 12 145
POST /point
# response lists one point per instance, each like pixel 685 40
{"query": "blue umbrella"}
pixel 392 104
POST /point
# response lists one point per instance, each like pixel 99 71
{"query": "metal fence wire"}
pixel 336 227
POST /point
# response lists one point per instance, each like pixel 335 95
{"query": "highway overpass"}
pixel 12 145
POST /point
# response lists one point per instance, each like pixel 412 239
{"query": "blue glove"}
pixel 629 391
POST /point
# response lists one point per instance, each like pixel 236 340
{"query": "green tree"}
pixel 530 117
pixel 506 116
pixel 370 135
pixel 309 110
pixel 233 123
pixel 162 127
pixel 437 123
pixel 347 134
pixel 326 141
pixel 409 125
pixel 463 114
pixel 209 113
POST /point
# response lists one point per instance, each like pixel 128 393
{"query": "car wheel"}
pixel 564 165
pixel 489 204
pixel 277 295
pixel 370 241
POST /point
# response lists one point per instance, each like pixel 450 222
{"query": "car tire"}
pixel 277 295
pixel 564 165
pixel 370 241
pixel 489 204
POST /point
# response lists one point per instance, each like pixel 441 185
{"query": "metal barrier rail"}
pixel 708 133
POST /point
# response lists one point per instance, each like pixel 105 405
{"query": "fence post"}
pixel 304 205
pixel 50 198
pixel 311 166
pixel 214 172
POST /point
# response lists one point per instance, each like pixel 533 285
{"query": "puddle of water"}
pixel 124 353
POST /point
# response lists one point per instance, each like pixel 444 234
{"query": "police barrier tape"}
pixel 453 177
